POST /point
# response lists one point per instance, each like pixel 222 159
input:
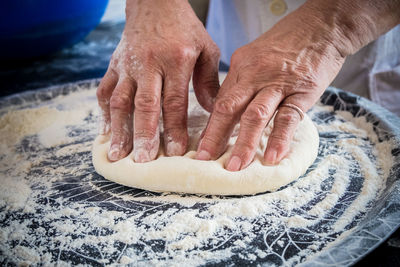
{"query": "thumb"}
pixel 205 77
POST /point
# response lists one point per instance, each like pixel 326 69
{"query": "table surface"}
pixel 89 59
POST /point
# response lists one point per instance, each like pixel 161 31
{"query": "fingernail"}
pixel 113 153
pixel 234 164
pixel 203 155
pixel 174 149
pixel 141 155
pixel 270 157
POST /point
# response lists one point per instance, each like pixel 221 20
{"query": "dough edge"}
pixel 185 175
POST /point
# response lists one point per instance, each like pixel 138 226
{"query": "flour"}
pixel 56 210
pixel 48 123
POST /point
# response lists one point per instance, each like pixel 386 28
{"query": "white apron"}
pixel 373 72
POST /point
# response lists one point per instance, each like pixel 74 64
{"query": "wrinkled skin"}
pixel 150 70
pixel 164 43
pixel 284 65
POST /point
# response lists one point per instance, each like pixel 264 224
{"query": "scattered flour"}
pixel 55 210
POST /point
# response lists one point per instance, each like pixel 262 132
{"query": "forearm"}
pixel 142 8
pixel 353 24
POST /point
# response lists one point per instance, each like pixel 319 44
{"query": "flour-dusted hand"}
pixel 284 72
pixel 162 45
pixel 286 65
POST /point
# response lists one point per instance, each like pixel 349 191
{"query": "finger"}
pixel 285 125
pixel 227 110
pixel 146 118
pixel 121 109
pixel 104 92
pixel 205 77
pixel 175 102
pixel 252 124
pixel 229 82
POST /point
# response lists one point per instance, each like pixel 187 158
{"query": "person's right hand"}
pixel 163 43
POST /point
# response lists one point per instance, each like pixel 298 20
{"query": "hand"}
pixel 163 43
pixel 292 63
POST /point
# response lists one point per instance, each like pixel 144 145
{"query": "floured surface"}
pixel 187 175
pixel 54 208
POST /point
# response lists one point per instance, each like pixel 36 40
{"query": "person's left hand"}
pixel 291 64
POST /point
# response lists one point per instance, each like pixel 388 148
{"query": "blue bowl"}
pixel 33 28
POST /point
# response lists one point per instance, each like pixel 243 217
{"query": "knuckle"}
pixel 216 54
pixel 211 142
pixel 215 141
pixel 146 134
pixel 104 90
pixel 214 50
pixel 183 54
pixel 289 117
pixel 114 60
pixel 121 102
pixel 147 102
pixel 280 138
pixel 227 106
pixel 101 92
pixel 256 113
pixel 283 129
pixel 175 103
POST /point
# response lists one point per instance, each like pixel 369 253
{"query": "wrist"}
pixel 143 8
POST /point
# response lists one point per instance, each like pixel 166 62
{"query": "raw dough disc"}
pixel 184 174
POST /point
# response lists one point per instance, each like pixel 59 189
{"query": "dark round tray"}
pixel 89 188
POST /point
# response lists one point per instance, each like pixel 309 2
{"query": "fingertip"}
pixel 270 156
pixel 113 154
pixel 120 147
pixel 175 143
pixel 203 155
pixel 174 149
pixel 146 149
pixel 141 156
pixel 115 151
pixel 234 164
pixel 175 146
pixel 275 152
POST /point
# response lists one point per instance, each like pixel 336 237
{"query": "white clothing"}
pixel 373 72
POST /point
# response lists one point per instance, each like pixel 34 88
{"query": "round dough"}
pixel 187 175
